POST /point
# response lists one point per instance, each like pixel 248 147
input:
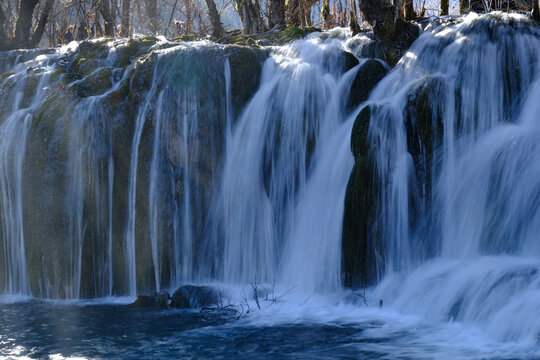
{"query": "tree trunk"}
pixel 189 16
pixel 463 6
pixel 217 28
pixel 277 14
pixel 151 12
pixel 395 34
pixel 294 13
pixel 380 15
pixel 252 22
pixel 3 31
pixel 535 10
pixel 326 15
pixel 444 8
pixel 24 23
pixel 353 21
pixel 477 6
pixel 408 10
pixel 40 28
pixel 108 18
pixel 124 28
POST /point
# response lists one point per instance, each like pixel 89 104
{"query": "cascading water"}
pixel 458 180
pixel 297 108
pixel 14 132
pixel 147 203
pixel 162 164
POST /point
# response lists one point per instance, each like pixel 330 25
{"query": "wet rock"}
pixel 94 84
pixel 159 300
pixel 365 47
pixel 191 296
pixel 361 239
pixel 369 74
pixel 88 66
pixel 246 66
pixel 424 125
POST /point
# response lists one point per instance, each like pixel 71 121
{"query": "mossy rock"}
pixel 43 210
pixel 134 49
pixel 369 75
pixel 292 34
pixel 57 75
pixel 94 84
pixel 5 75
pixel 94 49
pixel 140 79
pixel 30 89
pixel 246 67
pixel 365 47
pixel 186 38
pixel 87 66
pixel 360 239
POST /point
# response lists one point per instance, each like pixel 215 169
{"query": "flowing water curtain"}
pixel 189 119
pixel 270 154
pixel 480 145
pixel 26 93
pixel 440 99
pixel 89 200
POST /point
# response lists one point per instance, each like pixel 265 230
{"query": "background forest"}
pixel 33 23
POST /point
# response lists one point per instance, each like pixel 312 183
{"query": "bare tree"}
pixel 37 34
pixel 125 23
pixel 217 28
pixel 252 22
pixel 24 22
pixel 277 14
pixel 3 29
pixel 444 7
pixel 152 14
pixel 107 12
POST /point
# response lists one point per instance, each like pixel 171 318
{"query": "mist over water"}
pixel 193 181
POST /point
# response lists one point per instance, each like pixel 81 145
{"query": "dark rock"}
pixel 96 83
pixel 425 129
pixel 191 296
pixel 158 300
pixel 246 66
pixel 360 240
pixel 369 74
pixel 348 60
pixel 424 125
pixel 366 47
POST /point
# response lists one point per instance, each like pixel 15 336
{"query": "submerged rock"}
pixel 191 296
pixel 159 300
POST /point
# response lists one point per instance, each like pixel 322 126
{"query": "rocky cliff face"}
pixel 82 110
pixel 113 152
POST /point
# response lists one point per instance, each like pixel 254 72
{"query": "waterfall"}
pixel 136 166
pixel 446 72
pixel 453 130
pixel 14 131
pixel 272 154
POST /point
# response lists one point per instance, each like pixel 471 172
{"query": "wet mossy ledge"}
pixel 114 79
pixel 92 97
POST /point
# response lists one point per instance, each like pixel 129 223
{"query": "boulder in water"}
pixel 191 296
pixel 360 240
pixel 369 74
pixel 159 300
